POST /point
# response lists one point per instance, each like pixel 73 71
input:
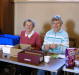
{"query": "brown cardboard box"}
pixel 18 48
pixel 13 51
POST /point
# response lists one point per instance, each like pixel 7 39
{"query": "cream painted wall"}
pixel 42 13
pixel 42 0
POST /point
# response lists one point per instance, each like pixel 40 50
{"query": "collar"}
pixel 29 35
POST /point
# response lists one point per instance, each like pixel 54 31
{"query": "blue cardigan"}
pixel 60 38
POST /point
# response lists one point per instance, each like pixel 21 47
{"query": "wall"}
pixel 44 0
pixel 42 13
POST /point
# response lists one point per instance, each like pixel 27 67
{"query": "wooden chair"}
pixel 72 42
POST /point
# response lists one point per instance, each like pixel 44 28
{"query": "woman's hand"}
pixel 47 47
pixel 53 45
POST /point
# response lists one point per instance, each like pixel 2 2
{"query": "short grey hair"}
pixel 29 20
pixel 57 17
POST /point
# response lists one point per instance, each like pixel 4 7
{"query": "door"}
pixel 6 17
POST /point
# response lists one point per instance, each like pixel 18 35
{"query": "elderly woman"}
pixel 29 36
pixel 56 39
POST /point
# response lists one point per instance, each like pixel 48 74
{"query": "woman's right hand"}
pixel 53 46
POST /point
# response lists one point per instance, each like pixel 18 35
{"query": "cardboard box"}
pixel 70 57
pixel 13 50
pixel 31 56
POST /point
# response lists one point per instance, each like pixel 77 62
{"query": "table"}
pixel 53 66
pixel 75 70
